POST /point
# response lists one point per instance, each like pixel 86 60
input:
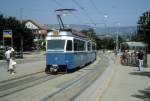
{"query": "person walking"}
pixel 7 56
pixel 123 58
pixel 134 59
pixel 12 62
pixel 127 57
pixel 140 59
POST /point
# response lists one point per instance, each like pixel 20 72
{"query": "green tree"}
pixel 90 33
pixel 143 28
pixel 102 43
pixel 107 43
pixel 19 32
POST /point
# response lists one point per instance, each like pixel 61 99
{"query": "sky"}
pixel 96 13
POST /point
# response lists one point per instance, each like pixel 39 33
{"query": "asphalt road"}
pixel 60 87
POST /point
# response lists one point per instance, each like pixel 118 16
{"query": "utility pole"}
pixel 117 37
pixel 117 42
pixel 21 40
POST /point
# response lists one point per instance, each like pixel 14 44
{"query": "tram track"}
pixel 64 87
pixel 20 77
pixel 77 85
pixel 20 84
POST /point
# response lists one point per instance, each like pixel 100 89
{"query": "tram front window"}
pixel 55 44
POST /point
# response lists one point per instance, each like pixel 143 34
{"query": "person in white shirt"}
pixel 7 55
pixel 140 58
pixel 12 62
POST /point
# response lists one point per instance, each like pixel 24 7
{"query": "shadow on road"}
pixel 142 73
pixel 144 94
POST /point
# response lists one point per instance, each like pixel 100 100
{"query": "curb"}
pixel 98 88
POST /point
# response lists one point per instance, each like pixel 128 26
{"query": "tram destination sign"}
pixel 7 33
pixel 55 33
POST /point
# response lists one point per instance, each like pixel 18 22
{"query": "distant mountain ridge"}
pixel 100 30
pixel 117 30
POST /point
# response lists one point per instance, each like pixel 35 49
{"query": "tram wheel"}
pixel 47 70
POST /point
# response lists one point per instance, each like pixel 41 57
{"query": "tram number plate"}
pixel 55 33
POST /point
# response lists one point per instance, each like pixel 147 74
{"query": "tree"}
pixel 19 32
pixel 143 31
pixel 102 43
pixel 108 43
pixel 90 33
pixel 23 34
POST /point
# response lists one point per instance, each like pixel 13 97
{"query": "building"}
pixel 39 31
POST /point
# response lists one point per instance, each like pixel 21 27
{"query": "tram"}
pixel 67 50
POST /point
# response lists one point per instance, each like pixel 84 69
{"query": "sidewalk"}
pixel 27 55
pixel 33 54
pixel 128 84
pixel 23 68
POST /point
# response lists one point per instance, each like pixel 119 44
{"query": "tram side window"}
pixel 75 45
pixel 69 45
pixel 89 46
pixel 93 47
pixel 79 45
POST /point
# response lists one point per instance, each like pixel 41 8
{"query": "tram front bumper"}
pixel 54 68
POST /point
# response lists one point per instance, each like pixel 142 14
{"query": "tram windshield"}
pixel 55 44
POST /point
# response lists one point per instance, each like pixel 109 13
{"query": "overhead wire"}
pixel 74 15
pixel 96 8
pixel 100 13
pixel 85 11
pixel 59 4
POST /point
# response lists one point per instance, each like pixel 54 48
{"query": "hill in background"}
pixel 127 30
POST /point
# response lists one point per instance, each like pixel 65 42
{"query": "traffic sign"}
pixel 7 33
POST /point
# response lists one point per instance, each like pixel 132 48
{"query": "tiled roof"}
pixel 40 26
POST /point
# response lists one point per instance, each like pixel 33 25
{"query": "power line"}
pixel 96 8
pixel 59 4
pixel 84 10
pixel 98 11
pixel 74 15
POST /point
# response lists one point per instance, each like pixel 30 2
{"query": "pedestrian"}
pixel 123 58
pixel 127 57
pixel 12 62
pixel 7 56
pixel 115 52
pixel 134 58
pixel 140 59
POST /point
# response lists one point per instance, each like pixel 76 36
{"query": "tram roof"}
pixel 66 32
pixel 135 44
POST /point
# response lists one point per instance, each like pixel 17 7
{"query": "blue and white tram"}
pixel 66 50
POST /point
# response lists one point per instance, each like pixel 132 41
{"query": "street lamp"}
pixel 118 26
